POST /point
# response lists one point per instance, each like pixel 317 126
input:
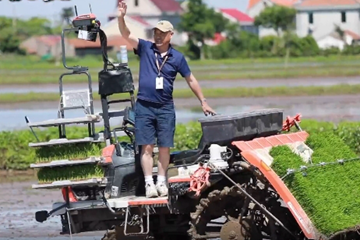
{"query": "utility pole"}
pixel 14 18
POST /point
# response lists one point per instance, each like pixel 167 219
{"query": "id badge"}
pixel 159 83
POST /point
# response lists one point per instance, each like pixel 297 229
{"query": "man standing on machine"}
pixel 154 110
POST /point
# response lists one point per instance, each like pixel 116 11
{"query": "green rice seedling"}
pixel 74 173
pixel 329 193
pixel 76 151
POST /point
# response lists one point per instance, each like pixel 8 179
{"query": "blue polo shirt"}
pixel 176 63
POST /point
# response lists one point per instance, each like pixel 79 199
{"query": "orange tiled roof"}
pixel 316 3
pixel 352 34
pixel 49 40
pixel 286 3
pixel 252 3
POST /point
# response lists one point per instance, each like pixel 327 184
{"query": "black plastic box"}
pixel 115 80
pixel 223 129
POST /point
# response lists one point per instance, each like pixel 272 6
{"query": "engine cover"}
pixel 124 175
pixel 222 129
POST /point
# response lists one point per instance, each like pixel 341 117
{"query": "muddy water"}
pixel 18 204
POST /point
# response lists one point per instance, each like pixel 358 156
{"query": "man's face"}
pixel 161 38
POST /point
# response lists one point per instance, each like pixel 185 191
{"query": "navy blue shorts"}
pixel 154 122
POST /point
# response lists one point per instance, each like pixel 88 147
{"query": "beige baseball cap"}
pixel 164 26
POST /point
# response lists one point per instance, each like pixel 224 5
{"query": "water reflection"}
pixel 331 111
pixel 15 119
pixel 248 83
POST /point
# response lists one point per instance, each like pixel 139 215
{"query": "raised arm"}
pixel 124 30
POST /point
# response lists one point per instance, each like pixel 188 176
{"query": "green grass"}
pixel 76 151
pixel 209 93
pixel 75 173
pixel 328 194
pixel 30 70
pixel 8 62
pixel 11 77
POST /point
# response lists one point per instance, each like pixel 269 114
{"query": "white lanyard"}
pixel 163 63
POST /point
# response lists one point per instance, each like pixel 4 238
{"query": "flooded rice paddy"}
pixel 18 202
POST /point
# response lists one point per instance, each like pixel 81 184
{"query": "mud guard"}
pixel 248 151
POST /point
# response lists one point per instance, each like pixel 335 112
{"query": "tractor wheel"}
pixel 225 202
pixel 244 220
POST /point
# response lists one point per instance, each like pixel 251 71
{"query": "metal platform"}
pixel 124 202
pixel 61 121
pixel 71 183
pixel 67 162
pixel 62 141
pixel 114 113
pixel 87 204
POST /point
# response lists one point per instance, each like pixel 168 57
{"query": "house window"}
pixel 343 17
pixel 136 3
pixel 311 18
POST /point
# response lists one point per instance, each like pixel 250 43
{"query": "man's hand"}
pixel 122 9
pixel 124 31
pixel 207 109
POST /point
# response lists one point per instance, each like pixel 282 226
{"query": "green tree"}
pixel 66 14
pixel 9 38
pixel 5 23
pixel 14 32
pixel 201 23
pixel 34 27
pixel 282 20
pixel 9 42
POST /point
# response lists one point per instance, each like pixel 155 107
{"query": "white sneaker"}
pixel 151 191
pixel 162 189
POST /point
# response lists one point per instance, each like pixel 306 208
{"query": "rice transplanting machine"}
pixel 215 191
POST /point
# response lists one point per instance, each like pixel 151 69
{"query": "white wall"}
pixel 136 28
pixel 255 11
pixel 330 41
pixel 257 8
pixel 323 22
pixel 145 7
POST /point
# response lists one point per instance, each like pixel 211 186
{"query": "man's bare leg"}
pixel 163 164
pixel 164 158
pixel 147 164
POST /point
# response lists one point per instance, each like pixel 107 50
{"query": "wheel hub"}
pixel 235 231
pixel 231 231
